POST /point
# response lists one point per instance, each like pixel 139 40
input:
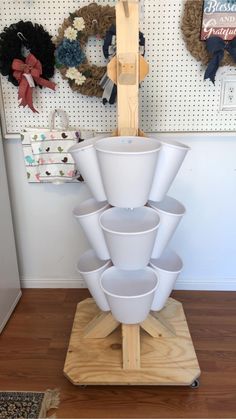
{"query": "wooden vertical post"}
pixel 127 45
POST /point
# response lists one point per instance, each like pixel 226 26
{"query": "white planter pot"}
pixel 170 212
pixel 170 159
pixel 129 293
pixel 85 158
pixel 88 214
pixel 91 268
pixel 130 235
pixel 168 268
pixel 127 167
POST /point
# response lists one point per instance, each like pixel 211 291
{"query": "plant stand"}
pixel 157 352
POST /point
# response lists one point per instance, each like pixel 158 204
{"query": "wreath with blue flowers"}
pixel 70 57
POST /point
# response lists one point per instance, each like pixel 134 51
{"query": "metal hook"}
pixel 95 25
pixel 25 50
pixel 21 37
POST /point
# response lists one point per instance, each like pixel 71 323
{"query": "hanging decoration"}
pixel 214 51
pixel 71 60
pixel 109 51
pixel 27 59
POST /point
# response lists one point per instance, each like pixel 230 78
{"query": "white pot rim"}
pixel 131 297
pixel 175 214
pixel 76 147
pixel 106 206
pixel 106 263
pixel 156 147
pixel 123 233
pixel 153 266
pixel 175 144
pixel 131 233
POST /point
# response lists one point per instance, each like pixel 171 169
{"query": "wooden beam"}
pixel 101 326
pixel 127 42
pixel 131 346
pixel 155 328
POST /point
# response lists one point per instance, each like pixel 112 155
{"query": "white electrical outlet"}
pixel 228 93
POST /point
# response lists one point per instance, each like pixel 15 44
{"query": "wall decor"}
pixel 71 60
pixel 191 29
pixel 27 59
pixel 219 19
pixel 186 105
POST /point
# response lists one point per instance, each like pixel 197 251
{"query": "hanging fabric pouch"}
pixel 46 150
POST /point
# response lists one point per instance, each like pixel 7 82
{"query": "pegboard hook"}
pixel 126 7
pixel 95 25
pixel 22 37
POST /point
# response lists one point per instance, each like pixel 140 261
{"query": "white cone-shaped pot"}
pixel 170 212
pixel 130 235
pixel 129 293
pixel 88 214
pixel 170 159
pixel 168 268
pixel 91 269
pixel 127 166
pixel 85 158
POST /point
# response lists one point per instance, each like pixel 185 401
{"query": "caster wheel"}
pixel 195 384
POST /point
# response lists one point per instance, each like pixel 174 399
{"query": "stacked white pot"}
pixel 129 223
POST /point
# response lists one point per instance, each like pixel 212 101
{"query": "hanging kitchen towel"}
pixel 46 151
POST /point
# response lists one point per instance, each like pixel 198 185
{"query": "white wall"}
pixel 49 241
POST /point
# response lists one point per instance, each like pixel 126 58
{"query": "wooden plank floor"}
pixel 34 344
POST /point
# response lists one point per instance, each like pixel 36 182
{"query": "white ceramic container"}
pixel 85 158
pixel 170 212
pixel 127 167
pixel 170 159
pixel 129 293
pixel 168 268
pixel 88 214
pixel 91 268
pixel 130 235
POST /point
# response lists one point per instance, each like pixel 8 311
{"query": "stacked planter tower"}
pixel 131 332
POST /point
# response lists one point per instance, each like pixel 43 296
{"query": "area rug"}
pixel 32 405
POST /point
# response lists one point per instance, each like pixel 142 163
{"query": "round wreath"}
pixel 91 20
pixel 191 25
pixel 20 38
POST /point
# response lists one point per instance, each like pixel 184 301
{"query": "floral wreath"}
pixel 91 20
pixel 27 59
pixel 191 25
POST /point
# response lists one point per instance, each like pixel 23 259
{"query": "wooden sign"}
pixel 219 19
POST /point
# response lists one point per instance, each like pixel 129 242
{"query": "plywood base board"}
pixel 164 360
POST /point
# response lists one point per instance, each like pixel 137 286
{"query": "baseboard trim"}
pixel 52 283
pixel 182 284
pixel 206 284
pixel 8 315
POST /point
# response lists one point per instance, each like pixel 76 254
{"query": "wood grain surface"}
pixel 163 360
pixel 34 343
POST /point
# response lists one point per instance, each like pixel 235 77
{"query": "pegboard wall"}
pixel 173 97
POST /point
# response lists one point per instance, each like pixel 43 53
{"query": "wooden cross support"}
pixel 104 324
